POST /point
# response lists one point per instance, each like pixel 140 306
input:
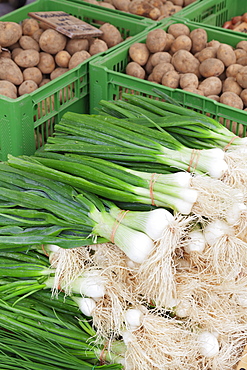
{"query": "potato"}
pixel 185 62
pixel 193 90
pixel 188 2
pixel 98 46
pixel 44 82
pixel 178 2
pixel 242 61
pixel 4 84
pixel 213 43
pixel 169 41
pixel 242 45
pixel 74 45
pixel 134 69
pixel 139 53
pixel 211 86
pixel 62 59
pixel 240 53
pixel 181 42
pixel 57 72
pixel 5 54
pixel 33 73
pixel 121 4
pixel 46 63
pixel 10 71
pixel 140 7
pixel 233 69
pixel 27 87
pixel 226 54
pixel 230 84
pixel 78 58
pixel 241 77
pixel 27 42
pixel 214 97
pixel 15 52
pixel 231 99
pixel 208 52
pixel 156 40
pixel 199 39
pixel 160 69
pixel 8 92
pixel 111 35
pixel 160 56
pixel 243 96
pixel 27 58
pixel 29 26
pixel 10 33
pixel 171 79
pixel 148 66
pixel 36 35
pixel 106 5
pixel 52 41
pixel 189 80
pixel 178 29
pixel 211 67
pixel 168 9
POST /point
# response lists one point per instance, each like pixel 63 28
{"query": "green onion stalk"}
pixel 78 218
pixel 64 338
pixel 119 143
pixel 200 195
pixel 190 128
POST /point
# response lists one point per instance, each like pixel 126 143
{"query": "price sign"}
pixel 66 24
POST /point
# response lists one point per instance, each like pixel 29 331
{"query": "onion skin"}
pixel 227 25
pixel 236 19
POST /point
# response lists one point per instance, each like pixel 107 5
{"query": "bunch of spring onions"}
pixel 76 133
pixel 37 331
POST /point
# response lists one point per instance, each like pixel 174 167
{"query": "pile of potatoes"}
pixel 180 58
pixel 31 54
pixel 154 9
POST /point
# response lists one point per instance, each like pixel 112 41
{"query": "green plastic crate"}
pixel 26 122
pixel 215 12
pixel 108 81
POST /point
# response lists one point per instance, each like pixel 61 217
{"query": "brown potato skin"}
pixel 98 46
pixel 46 63
pixel 74 45
pixel 78 58
pixel 226 54
pixel 52 41
pixel 156 40
pixel 199 39
pixel 27 58
pixel 57 72
pixel 181 42
pixel 34 74
pixel 29 26
pixel 233 69
pixel 160 69
pixel 211 86
pixel 171 79
pixel 211 67
pixel 160 56
pixel 10 71
pixel 10 33
pixel 189 80
pixel 139 53
pixel 62 59
pixel 135 70
pixel 230 84
pixel 27 42
pixel 111 35
pixel 27 87
pixel 232 99
pixel 177 29
pixel 241 77
pixel 185 62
